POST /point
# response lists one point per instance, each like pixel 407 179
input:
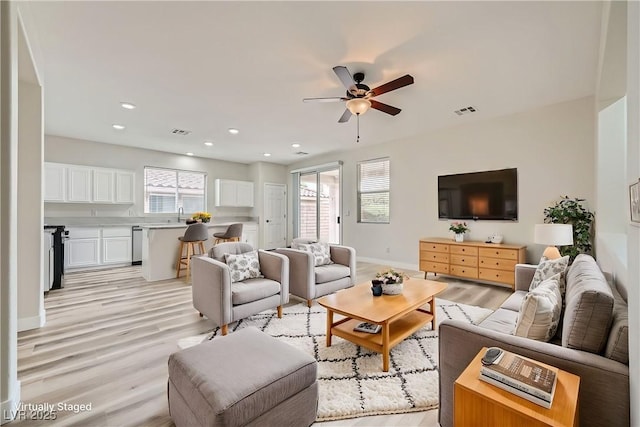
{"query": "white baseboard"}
pixel 386 262
pixel 10 406
pixel 34 322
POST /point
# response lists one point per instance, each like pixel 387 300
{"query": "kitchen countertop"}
pixel 179 225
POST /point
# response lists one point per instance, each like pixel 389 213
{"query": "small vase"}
pixel 392 288
pixel 376 290
pixel 459 237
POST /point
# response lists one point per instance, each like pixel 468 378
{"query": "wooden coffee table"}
pixel 399 315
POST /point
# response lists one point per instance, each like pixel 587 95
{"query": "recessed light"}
pixel 208 143
pixel 296 145
pixel 189 154
pixel 127 105
pixel 117 126
pixel 267 154
pixel 233 131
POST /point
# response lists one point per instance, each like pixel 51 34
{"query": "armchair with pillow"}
pixel 588 337
pixel 317 269
pixel 236 281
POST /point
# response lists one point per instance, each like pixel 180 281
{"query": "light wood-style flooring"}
pixel 109 334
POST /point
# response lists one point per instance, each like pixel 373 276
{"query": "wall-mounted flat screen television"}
pixel 491 195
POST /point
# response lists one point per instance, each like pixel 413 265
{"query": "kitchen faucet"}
pixel 180 212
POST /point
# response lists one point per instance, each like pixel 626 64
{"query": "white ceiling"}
pixel 210 66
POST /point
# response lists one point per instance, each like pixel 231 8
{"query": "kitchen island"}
pixel 160 246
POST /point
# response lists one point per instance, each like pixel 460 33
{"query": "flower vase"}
pixel 392 288
pixel 459 237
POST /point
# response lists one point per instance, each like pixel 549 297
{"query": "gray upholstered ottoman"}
pixel 245 378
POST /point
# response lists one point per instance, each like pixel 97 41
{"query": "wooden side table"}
pixel 477 403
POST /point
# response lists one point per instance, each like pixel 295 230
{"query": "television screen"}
pixel 479 195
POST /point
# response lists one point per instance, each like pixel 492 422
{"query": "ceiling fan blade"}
pixel 384 107
pixel 334 99
pixel 345 116
pixel 344 75
pixel 392 85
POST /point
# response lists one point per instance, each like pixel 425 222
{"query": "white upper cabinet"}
pixel 83 184
pixel 234 193
pixel 55 179
pixel 78 184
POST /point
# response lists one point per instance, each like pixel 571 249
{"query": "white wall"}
pixel 552 147
pixel 81 152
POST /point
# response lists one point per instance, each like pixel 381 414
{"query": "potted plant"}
pixel 459 228
pixel 572 211
pixel 391 281
pixel 201 217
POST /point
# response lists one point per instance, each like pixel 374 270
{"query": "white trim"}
pixel 33 322
pixel 318 168
pixel 10 406
pixel 389 263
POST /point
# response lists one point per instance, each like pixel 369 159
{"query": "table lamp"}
pixel 553 235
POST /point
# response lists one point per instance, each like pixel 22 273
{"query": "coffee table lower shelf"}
pixel 398 330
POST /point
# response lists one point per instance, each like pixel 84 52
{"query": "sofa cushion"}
pixel 320 251
pixel 588 307
pixel 501 320
pixel 548 268
pixel 243 266
pixel 253 290
pixel 331 272
pixel 540 311
pixel 514 302
pixel 219 251
pixel 618 341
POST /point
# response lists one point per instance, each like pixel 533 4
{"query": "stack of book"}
pixel 523 377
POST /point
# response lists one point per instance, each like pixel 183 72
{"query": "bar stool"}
pixel 194 237
pixel 233 234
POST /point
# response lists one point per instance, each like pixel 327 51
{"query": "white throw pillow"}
pixel 243 266
pixel 320 251
pixel 540 311
pixel 548 268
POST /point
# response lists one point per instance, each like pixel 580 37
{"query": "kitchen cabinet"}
pixel 79 184
pixel 124 186
pixel 102 186
pixel 55 180
pixel 250 234
pixel 82 248
pixel 233 193
pixel 116 245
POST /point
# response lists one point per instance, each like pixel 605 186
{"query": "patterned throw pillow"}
pixel 243 266
pixel 548 268
pixel 320 251
pixel 540 311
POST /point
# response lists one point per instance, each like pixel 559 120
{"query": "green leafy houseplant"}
pixel 459 227
pixel 571 211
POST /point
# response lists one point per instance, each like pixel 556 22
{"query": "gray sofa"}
pixel 594 318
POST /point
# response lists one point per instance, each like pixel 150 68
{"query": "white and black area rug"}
pixel 350 377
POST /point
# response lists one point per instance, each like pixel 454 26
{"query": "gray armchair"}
pixel 308 281
pixel 224 301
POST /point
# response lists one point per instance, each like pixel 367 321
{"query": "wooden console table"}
pixel 471 260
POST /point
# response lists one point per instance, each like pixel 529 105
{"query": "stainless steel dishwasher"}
pixel 136 245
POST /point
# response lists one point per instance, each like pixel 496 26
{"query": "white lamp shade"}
pixel 358 105
pixel 553 234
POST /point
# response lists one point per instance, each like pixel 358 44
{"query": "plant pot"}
pixel 376 289
pixel 392 288
pixel 459 237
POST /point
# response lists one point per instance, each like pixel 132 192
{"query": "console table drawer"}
pixel 500 276
pixel 434 267
pixel 434 256
pixel 499 264
pixel 463 250
pixel 463 271
pixel 462 260
pixel 434 247
pixel 499 253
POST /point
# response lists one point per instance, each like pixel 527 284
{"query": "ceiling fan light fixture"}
pixel 358 106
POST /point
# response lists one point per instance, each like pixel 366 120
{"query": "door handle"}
pixel 338 220
pixel 268 220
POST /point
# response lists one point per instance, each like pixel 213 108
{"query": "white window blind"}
pixel 167 190
pixel 373 191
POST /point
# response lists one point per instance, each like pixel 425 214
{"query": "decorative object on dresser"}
pixel 471 259
pixel 553 235
pixel 459 228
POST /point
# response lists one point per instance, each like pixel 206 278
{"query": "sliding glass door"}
pixel 319 204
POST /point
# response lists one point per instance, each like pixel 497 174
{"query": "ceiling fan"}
pixel 359 96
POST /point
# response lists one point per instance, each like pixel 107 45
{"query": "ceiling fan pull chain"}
pixel 358 127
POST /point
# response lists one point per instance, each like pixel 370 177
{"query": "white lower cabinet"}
pixel 94 247
pixel 116 245
pixel 250 234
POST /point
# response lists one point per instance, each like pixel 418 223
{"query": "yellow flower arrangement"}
pixel 201 216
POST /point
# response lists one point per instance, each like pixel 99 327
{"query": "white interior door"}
pixel 275 213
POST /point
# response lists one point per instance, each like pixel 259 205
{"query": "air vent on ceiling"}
pixel 182 132
pixel 301 153
pixel 465 110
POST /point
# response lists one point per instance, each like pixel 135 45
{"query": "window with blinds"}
pixel 373 191
pixel 167 190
